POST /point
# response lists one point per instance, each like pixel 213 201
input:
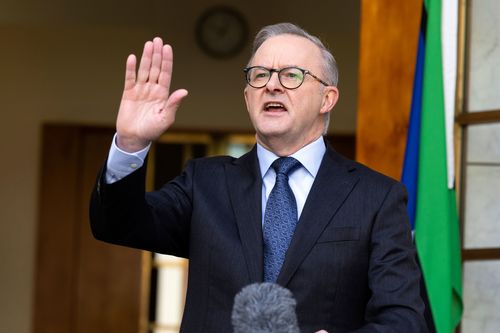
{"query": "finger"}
pixel 130 72
pixel 167 62
pixel 156 60
pixel 145 64
pixel 175 99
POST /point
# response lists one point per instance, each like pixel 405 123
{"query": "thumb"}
pixel 175 99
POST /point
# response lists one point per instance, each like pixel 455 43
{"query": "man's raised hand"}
pixel 147 108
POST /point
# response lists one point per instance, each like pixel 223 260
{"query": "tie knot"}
pixel 285 165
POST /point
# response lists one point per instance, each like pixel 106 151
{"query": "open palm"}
pixel 147 108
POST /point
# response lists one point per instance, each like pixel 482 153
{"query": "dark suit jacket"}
pixel 350 265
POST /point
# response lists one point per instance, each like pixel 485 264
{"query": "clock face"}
pixel 221 32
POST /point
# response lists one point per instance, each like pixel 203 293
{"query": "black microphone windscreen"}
pixel 264 308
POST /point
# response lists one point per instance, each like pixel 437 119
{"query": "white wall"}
pixel 481 279
pixel 63 61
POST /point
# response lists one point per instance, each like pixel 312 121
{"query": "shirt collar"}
pixel 310 156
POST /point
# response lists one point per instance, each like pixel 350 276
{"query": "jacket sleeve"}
pixel 123 213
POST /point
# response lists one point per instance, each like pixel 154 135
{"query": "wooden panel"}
pixel 81 284
pixel 109 276
pixel 57 234
pixel 478 117
pixel 389 32
pixel 481 254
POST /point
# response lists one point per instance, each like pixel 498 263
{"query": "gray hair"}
pixel 330 69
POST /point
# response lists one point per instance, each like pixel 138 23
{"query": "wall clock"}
pixel 221 31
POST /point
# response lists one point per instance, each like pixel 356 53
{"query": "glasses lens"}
pixel 291 77
pixel 258 77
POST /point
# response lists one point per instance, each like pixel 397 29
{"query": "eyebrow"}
pixel 285 66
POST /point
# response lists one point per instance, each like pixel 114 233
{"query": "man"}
pixel 343 245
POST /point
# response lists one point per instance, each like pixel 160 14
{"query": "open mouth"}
pixel 274 107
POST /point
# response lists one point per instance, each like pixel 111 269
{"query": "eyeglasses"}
pixel 289 77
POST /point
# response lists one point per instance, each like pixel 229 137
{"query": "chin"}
pixel 270 128
pixel 267 135
pixel 273 126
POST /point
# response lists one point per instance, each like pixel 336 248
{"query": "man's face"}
pixel 284 117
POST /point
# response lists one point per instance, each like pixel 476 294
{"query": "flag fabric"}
pixel 410 165
pixel 449 39
pixel 436 227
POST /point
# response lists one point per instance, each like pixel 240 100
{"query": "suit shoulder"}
pixel 248 158
pixel 209 164
pixel 376 175
pixel 366 173
pixel 213 160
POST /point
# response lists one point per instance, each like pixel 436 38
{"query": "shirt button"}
pixel 133 165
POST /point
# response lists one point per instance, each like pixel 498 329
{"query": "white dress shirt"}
pixel 121 164
pixel 300 180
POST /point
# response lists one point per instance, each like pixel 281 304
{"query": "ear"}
pixel 245 92
pixel 330 98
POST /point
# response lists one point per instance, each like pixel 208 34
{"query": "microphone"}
pixel 264 308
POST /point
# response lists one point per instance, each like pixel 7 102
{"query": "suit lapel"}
pixel 335 180
pixel 245 190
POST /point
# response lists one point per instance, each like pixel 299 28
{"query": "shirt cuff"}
pixel 121 164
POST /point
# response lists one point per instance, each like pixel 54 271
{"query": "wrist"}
pixel 131 145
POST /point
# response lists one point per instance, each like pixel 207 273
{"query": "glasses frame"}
pixel 278 71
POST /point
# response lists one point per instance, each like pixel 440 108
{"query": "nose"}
pixel 274 83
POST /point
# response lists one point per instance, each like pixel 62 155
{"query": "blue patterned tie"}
pixel 280 218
